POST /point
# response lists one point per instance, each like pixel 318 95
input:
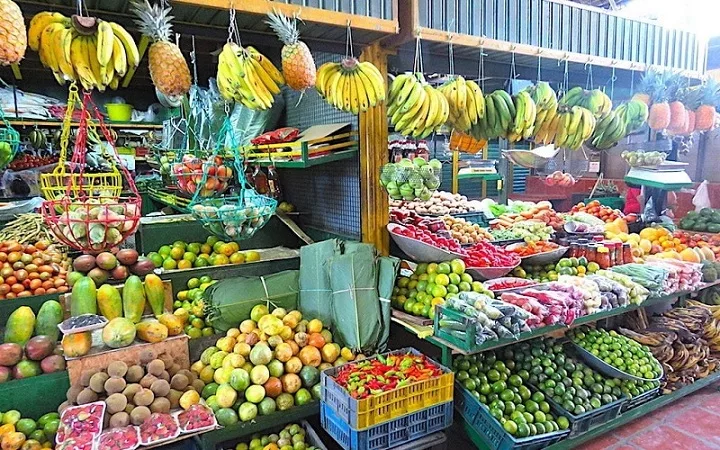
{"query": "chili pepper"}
pixel 382 359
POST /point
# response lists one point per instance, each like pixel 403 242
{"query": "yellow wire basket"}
pixel 66 179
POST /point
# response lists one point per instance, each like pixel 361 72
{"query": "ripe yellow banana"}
pixel 230 56
pixel 323 83
pixel 376 77
pixel 47 43
pixel 94 63
pixel 268 66
pixel 79 58
pixel 433 107
pixel 368 88
pixel 105 39
pixel 119 57
pixel 39 22
pixel 61 51
pixel 131 50
pixel 256 85
pixel 338 93
pixel 347 92
pixel 356 88
pixel 263 76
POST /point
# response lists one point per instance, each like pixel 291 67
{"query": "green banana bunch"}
pixel 609 130
pixel 596 101
pixel 634 114
pixel 499 119
pixel 415 108
pixel 546 102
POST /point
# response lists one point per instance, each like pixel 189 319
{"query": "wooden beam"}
pixel 142 48
pixel 466 40
pixel 374 212
pixel 308 14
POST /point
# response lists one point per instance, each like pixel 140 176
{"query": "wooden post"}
pixel 374 213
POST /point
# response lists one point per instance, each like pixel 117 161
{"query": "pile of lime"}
pixel 189 305
pixel 570 383
pixel 520 411
pixel 292 437
pixel 618 351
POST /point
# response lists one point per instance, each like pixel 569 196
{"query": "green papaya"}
pixel 20 325
pixel 155 294
pixel 83 299
pixel 48 318
pixel 109 302
pixel 133 298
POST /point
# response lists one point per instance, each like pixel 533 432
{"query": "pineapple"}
pixel 297 61
pixel 710 99
pixel 13 38
pixel 168 69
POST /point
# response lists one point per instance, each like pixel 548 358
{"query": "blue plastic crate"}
pixel 389 434
pixel 491 433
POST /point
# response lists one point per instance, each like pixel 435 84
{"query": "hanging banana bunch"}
pixel 545 120
pixel 594 100
pixel 86 49
pixel 248 77
pixel 466 102
pixel 350 85
pixel 414 107
pixel 575 125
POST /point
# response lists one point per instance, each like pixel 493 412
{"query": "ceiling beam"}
pixel 307 14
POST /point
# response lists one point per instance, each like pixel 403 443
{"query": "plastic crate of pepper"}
pixel 391 434
pixel 384 387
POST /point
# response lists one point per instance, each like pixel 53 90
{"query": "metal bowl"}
pixel 541 258
pixel 531 159
pixel 605 368
pixel 489 273
pixel 418 250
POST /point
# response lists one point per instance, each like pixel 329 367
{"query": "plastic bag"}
pixel 702 197
pixel 23 183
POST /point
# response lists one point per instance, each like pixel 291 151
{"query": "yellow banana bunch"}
pixel 523 124
pixel 414 107
pixel 350 85
pixel 635 114
pixel 95 52
pixel 546 102
pixel 248 77
pixel 466 102
pixel 594 100
pixel 575 125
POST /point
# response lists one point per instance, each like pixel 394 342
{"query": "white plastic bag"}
pixel 702 197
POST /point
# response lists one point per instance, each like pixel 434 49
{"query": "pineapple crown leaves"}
pixel 710 92
pixel 153 20
pixel 674 83
pixel 285 28
pixel 648 81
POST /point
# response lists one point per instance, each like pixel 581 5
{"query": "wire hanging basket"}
pixel 9 142
pixel 237 217
pixel 69 178
pixel 82 218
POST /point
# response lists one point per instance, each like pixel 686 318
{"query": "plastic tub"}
pixel 605 368
pixel 418 250
pixel 119 112
pixel 489 273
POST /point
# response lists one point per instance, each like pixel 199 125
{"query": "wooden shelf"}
pixel 58 123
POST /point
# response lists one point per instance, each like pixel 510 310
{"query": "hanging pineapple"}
pixel 710 99
pixel 168 69
pixel 297 62
pixel 13 38
pixel 659 116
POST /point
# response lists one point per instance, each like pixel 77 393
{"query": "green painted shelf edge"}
pixel 35 396
pixel 636 413
pixel 309 162
pixel 657 184
pixel 480 176
pixel 212 439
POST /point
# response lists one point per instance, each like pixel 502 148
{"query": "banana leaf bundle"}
pixel 228 302
pixel 388 267
pixel 315 293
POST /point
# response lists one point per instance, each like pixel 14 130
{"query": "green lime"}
pixel 563 422
pixel 511 427
pixel 523 430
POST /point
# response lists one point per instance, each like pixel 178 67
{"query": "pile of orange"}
pixel 212 252
pixel 662 240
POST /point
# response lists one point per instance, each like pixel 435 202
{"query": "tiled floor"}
pixel 691 423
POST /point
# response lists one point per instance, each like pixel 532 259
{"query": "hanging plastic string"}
pixel 193 58
pixel 566 78
pixel 589 80
pixel 539 64
pixel 349 42
pixel 482 68
pixel 451 56
pixel 632 82
pixel 513 69
pixel 418 65
pixel 612 84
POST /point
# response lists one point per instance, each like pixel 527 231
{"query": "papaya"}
pixel 133 298
pixel 155 293
pixel 20 325
pixel 151 331
pixel 48 318
pixel 83 299
pixel 120 332
pixel 13 441
pixel 172 322
pixel 77 344
pixel 109 302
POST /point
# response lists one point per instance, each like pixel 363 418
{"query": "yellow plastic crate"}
pixel 377 409
pixel 300 149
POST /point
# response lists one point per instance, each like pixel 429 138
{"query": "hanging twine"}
pixel 349 42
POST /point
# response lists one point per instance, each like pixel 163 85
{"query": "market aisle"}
pixel 691 423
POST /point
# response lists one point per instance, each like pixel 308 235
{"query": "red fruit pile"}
pixel 499 284
pixel 125 438
pixel 83 441
pixel 189 174
pixel 484 254
pixel 158 427
pixel 429 237
pixel 78 421
pixel 197 417
pixel 25 161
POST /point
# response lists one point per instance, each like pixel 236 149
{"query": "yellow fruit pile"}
pixel 248 77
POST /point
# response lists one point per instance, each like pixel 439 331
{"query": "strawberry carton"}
pixel 76 421
pixel 124 438
pixel 159 428
pixel 82 441
pixel 197 418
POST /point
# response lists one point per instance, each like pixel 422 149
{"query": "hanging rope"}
pixel 193 58
pixel 349 42
pixel 418 65
pixel 632 82
pixel 513 70
pixel 482 69
pixel 566 78
pixel 589 81
pixel 539 64
pixel 451 56
pixel 612 84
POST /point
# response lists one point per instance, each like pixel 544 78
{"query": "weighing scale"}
pixel 667 176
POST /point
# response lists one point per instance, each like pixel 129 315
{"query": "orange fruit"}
pixel 237 258
pixel 184 264
pixel 169 264
pixel 177 253
pixel 226 249
pixel 220 260
pixel 206 249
